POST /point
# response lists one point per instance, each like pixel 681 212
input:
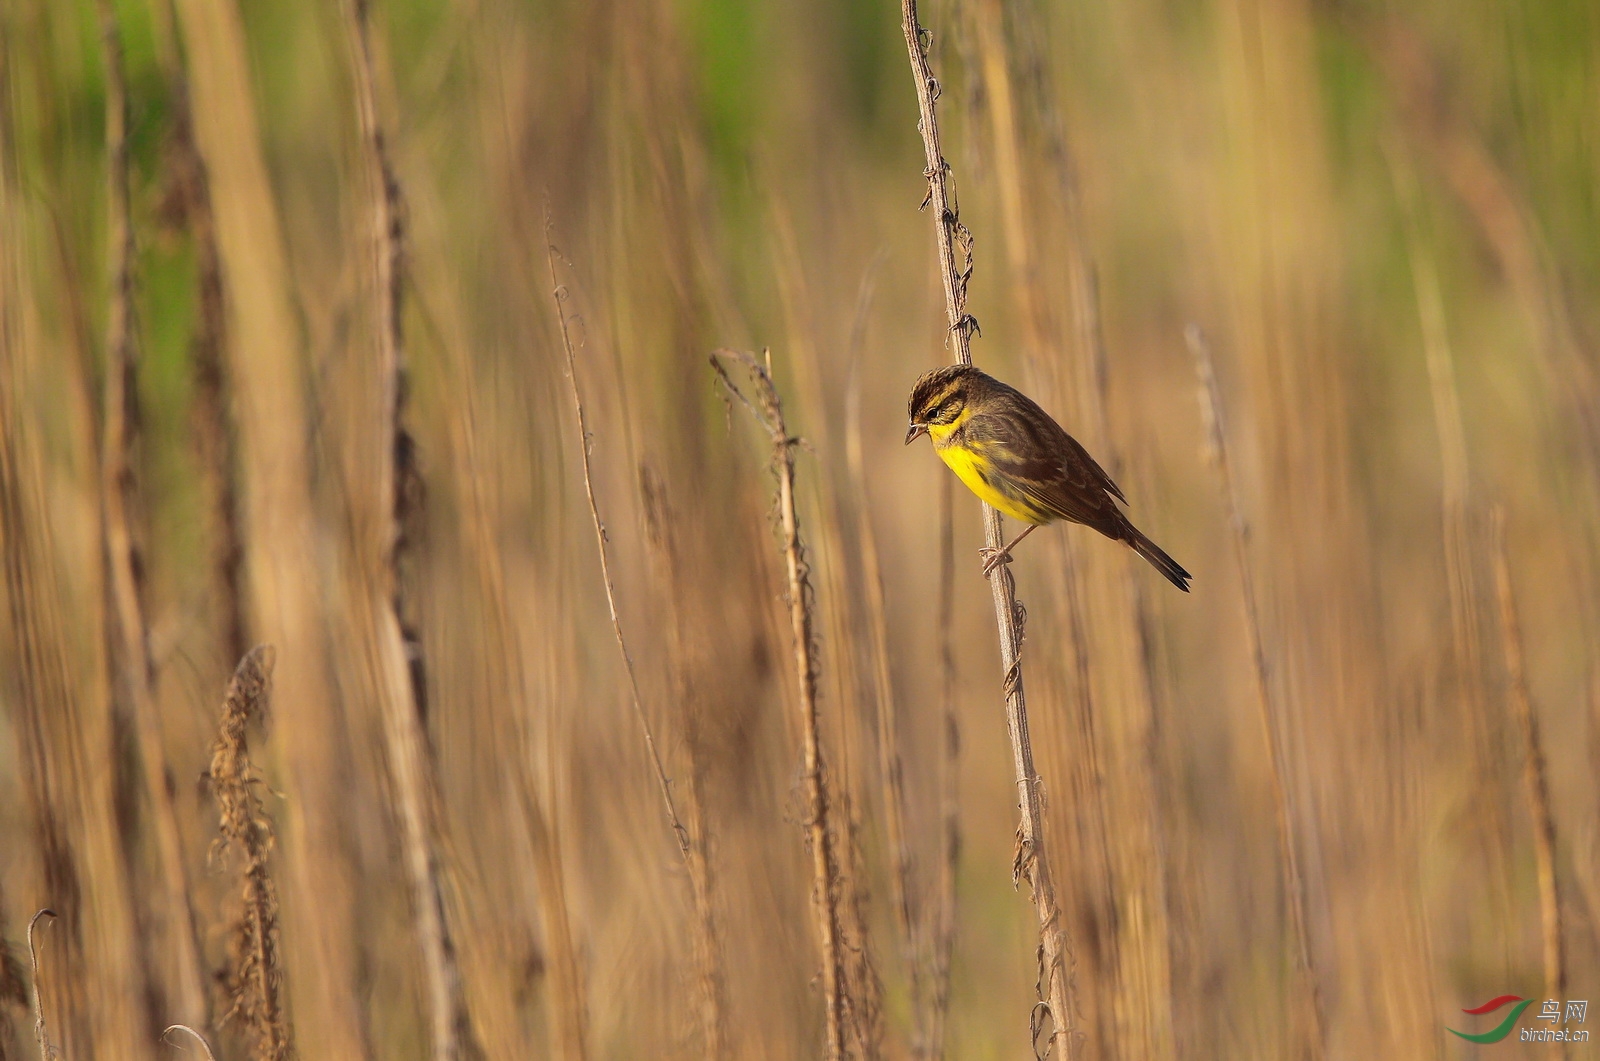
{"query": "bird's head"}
pixel 941 396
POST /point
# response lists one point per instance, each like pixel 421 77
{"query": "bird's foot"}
pixel 993 558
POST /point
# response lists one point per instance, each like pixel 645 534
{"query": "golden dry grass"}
pixel 1296 813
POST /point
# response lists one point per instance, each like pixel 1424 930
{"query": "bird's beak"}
pixel 915 431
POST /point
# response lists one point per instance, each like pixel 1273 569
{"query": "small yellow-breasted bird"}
pixel 1015 457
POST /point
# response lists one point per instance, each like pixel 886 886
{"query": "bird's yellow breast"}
pixel 970 466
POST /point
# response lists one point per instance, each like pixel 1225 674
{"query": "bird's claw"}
pixel 993 558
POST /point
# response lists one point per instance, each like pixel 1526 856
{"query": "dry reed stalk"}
pixel 499 675
pixel 691 847
pixel 254 976
pixel 189 196
pixel 1466 624
pixel 1293 883
pixel 1509 226
pixel 826 882
pixel 64 734
pixel 1116 872
pixel 570 1016
pixel 842 621
pixel 660 520
pixel 942 921
pixel 1100 898
pixel 269 388
pixel 505 681
pixel 398 660
pixel 502 679
pixel 41 1033
pixel 1279 232
pixel 1031 859
pixel 1534 777
pixel 1461 573
pixel 30 615
pixel 558 292
pixel 13 985
pixel 913 928
pixel 127 636
pixel 1110 616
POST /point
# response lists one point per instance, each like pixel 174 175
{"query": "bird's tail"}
pixel 1158 559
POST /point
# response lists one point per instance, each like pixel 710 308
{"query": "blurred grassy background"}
pixel 1377 211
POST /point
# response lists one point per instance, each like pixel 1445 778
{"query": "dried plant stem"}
pixel 1461 573
pixel 505 679
pixel 254 978
pixel 890 768
pixel 269 389
pixel 842 625
pixel 558 292
pixel 1293 881
pixel 1535 780
pixel 1031 860
pixel 34 624
pixel 943 918
pixel 398 662
pixel 692 852
pixel 570 1011
pixel 13 984
pixel 127 635
pixel 1081 589
pixel 820 835
pixel 660 521
pixel 40 1033
pixel 213 430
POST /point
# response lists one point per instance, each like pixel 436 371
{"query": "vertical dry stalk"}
pixel 13 985
pixel 127 636
pixel 1534 777
pixel 820 835
pixel 660 519
pixel 569 1006
pixel 40 1033
pixel 186 202
pixel 1293 882
pixel 890 767
pixel 558 291
pixel 215 442
pixel 269 387
pixel 506 681
pixel 31 616
pixel 398 651
pixel 502 675
pixel 692 853
pixel 1112 709
pixel 943 918
pixel 1031 858
pixel 1487 795
pixel 64 732
pixel 254 977
pixel 840 627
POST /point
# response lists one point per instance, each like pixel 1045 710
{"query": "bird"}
pixel 1014 456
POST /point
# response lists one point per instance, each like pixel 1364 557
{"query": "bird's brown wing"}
pixel 1042 462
